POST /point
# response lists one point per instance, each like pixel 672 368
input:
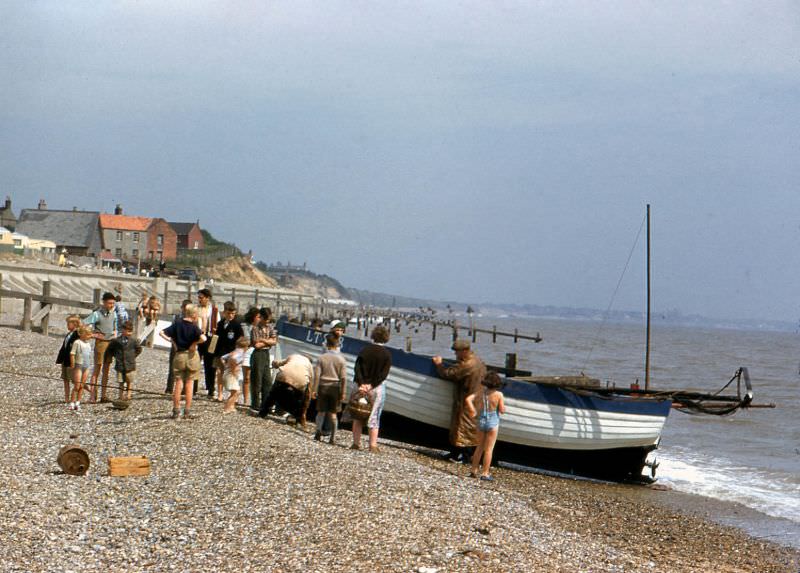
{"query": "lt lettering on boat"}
pixel 314 337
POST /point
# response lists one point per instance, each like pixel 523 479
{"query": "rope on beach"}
pixel 87 386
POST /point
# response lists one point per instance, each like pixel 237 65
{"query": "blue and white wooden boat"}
pixel 545 425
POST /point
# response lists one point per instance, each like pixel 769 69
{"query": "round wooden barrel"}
pixel 73 460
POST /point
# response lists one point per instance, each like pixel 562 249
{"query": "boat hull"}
pixel 544 425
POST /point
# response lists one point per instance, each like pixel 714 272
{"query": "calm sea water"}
pixel 751 457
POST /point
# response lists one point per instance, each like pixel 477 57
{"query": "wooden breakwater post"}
pixel 45 307
pixel 511 363
pixel 26 313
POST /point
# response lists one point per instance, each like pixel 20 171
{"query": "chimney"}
pixel 42 205
pixel 118 209
pixel 8 203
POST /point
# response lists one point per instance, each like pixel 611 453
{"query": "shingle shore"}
pixel 237 493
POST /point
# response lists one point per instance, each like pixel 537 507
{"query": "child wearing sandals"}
pixel 81 361
pixel 490 401
pixel 232 376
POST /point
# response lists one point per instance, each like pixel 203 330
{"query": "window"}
pixel 119 235
pixel 160 256
pixel 151 255
pixel 135 252
pixel 160 240
pixel 196 245
pixel 135 238
pixel 117 252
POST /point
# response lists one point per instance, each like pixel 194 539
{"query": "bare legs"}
pixel 246 385
pixel 230 403
pixel 219 385
pixel 79 377
pixel 373 436
pixel 486 441
pixel 178 390
pixel 357 434
pixel 125 388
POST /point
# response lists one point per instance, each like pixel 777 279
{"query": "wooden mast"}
pixel 647 339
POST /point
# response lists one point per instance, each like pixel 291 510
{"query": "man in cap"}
pixel 337 328
pixel 466 373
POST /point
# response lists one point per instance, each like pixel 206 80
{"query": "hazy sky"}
pixel 471 151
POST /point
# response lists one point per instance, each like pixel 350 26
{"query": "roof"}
pixel 107 256
pixel 68 228
pixel 182 228
pixel 124 222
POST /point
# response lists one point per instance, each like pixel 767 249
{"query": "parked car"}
pixel 187 274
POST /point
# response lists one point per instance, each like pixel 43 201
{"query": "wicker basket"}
pixel 360 406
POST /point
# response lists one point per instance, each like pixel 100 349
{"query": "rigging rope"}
pixel 600 327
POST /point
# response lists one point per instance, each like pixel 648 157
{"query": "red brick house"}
pixel 162 241
pixel 189 236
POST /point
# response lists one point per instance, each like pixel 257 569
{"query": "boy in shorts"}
pixel 184 336
pixel 73 322
pixel 330 380
pixel 123 350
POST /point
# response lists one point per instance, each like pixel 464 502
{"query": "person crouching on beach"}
pixel 184 336
pixel 73 322
pixel 232 375
pixel 491 405
pixel 81 361
pixel 123 350
pixel 330 380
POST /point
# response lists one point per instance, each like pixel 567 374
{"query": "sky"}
pixel 473 151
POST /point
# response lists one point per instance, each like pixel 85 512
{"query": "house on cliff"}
pixel 76 231
pixel 190 237
pixel 130 238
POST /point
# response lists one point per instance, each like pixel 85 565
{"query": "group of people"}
pixel 234 356
pixel 89 348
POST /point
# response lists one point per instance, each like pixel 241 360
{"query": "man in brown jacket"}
pixel 467 373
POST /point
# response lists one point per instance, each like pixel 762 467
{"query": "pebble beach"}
pixel 238 493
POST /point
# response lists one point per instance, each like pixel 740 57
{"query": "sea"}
pixel 745 467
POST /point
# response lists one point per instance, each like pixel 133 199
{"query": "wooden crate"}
pixel 128 466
